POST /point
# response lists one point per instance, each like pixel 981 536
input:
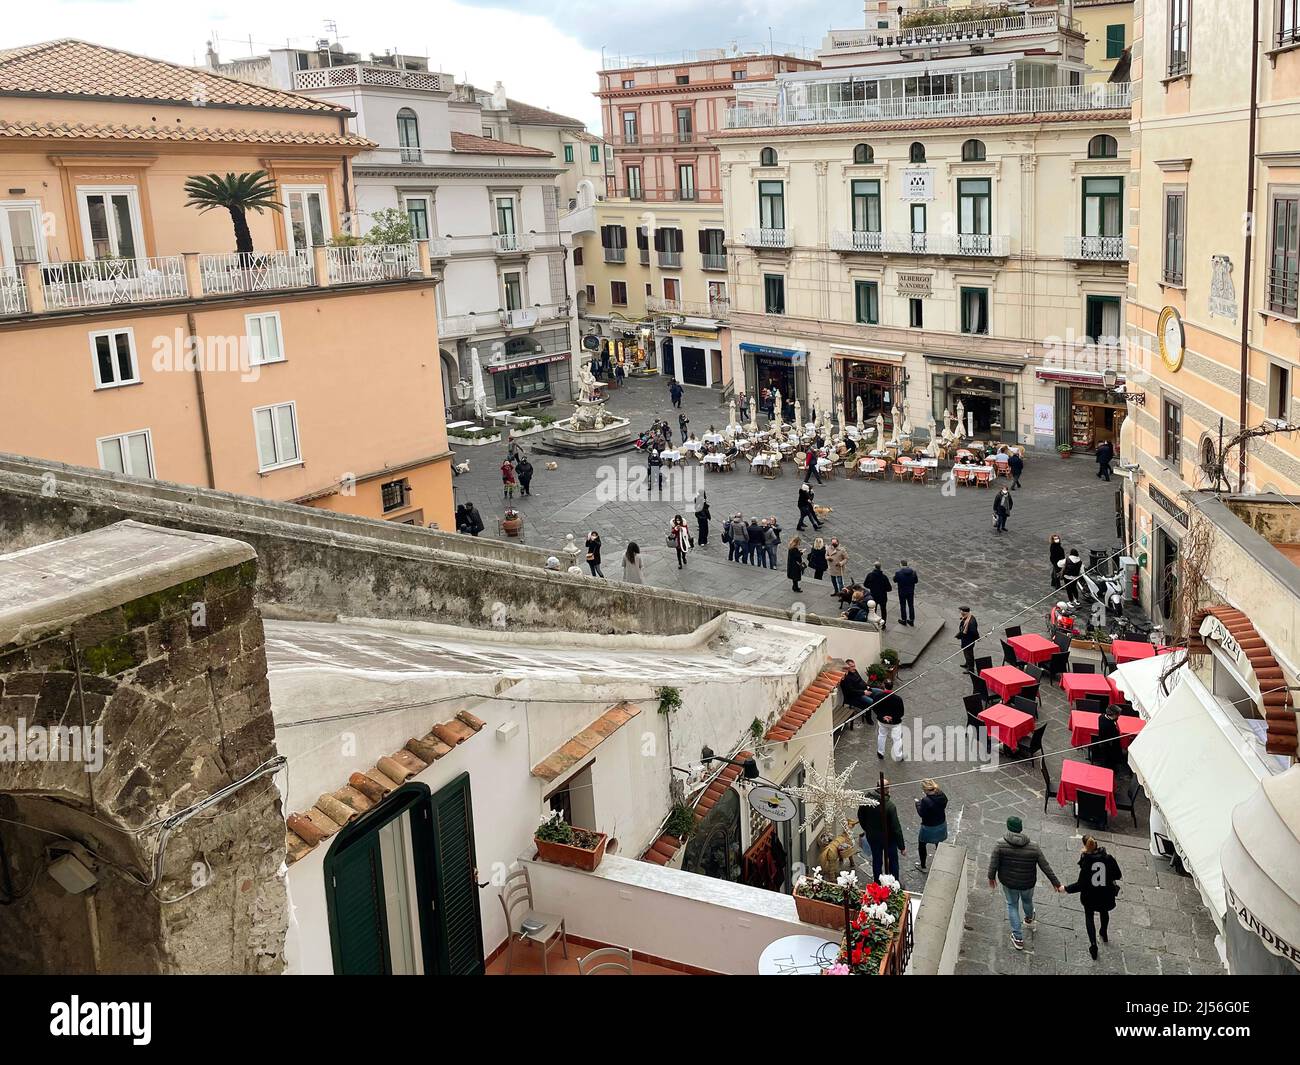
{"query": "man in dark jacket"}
pixel 1002 504
pixel 1105 455
pixel 877 584
pixel 675 391
pixel 473 520
pixel 887 706
pixel 906 580
pixel 1017 466
pixel 968 631
pixel 654 468
pixel 1015 862
pixel 1070 572
pixel 806 512
pixel 882 833
pixel 854 690
pixel 524 471
pixel 1107 750
pixel 757 550
pixel 810 458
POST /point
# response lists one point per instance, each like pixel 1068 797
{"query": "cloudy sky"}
pixel 545 51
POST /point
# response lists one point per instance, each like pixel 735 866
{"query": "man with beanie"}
pixel 1015 862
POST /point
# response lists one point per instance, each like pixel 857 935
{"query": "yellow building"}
pixel 1108 25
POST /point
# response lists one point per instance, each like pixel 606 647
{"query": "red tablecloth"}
pixel 1006 681
pixel 1077 685
pixel 1094 779
pixel 1083 727
pixel 1131 650
pixel 1030 647
pixel 1006 724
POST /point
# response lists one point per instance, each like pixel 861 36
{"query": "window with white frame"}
pixel 110 222
pixel 20 233
pixel 408 135
pixel 512 285
pixel 112 352
pixel 1180 38
pixel 129 453
pixel 506 216
pixel 276 428
pixel 264 337
pixel 308 223
pixel 417 213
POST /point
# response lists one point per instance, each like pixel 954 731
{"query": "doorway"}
pixel 1166 575
pixel 669 365
pixel 694 370
pixel 873 382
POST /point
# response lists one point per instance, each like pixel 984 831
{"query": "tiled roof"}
pixel 661 851
pixel 903 125
pixel 1279 710
pixel 70 67
pixel 585 742
pixel 364 791
pixel 468 142
pixel 529 115
pixel 805 706
pixel 115 132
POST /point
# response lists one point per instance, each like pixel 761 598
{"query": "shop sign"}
pixel 520 364
pixel 918 184
pixel 1214 629
pixel 915 286
pixel 698 334
pixel 1044 418
pixel 1223 294
pixel 1167 505
pixel 1271 940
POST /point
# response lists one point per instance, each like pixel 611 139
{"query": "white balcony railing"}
pixel 766 238
pixel 716 308
pixel 1051 99
pixel 1031 22
pixel 255 272
pixel 994 245
pixel 461 325
pixel 366 74
pixel 670 260
pixel 103 282
pixel 1103 249
pixel 372 262
pixel 615 255
pixel 13 294
pixel 507 243
pixel 713 261
pixel 857 240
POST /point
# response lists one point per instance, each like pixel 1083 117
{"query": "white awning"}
pixel 1261 864
pixel 1194 774
pixel 1140 680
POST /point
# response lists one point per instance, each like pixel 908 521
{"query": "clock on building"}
pixel 1172 340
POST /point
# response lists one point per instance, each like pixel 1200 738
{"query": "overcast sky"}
pixel 546 52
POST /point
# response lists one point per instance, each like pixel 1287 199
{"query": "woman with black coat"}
pixel 932 807
pixel 794 563
pixel 1097 888
pixel 817 558
pixel 1055 554
pixel 702 517
pixel 593 553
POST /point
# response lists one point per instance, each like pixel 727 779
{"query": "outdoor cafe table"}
pixel 1084 723
pixel 1093 779
pixel 1078 685
pixel 693 446
pixel 1006 681
pixel 1006 724
pixel 671 456
pixel 929 464
pixel 1030 647
pixel 871 465
pixel 1131 650
pixel 714 459
pixel 765 459
pixel 712 438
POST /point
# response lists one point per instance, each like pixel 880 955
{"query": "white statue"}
pixel 961 419
pixel 893 429
pixel 753 415
pixel 588 389
pixel 731 415
pixel 880 430
pixel 778 408
pixel 932 449
pixel 907 424
pixel 858 404
pixel 798 416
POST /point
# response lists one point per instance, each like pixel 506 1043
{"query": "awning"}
pixel 767 349
pixel 1140 680
pixel 1086 378
pixel 1195 776
pixel 1261 864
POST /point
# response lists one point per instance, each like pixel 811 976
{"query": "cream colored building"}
pixel 934 233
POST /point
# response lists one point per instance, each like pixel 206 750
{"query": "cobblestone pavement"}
pixel 1159 925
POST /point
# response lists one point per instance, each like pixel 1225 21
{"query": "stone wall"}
pixel 937 933
pixel 155 645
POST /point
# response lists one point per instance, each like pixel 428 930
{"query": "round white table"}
pixel 798 956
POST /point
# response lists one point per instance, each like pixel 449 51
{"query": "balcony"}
pixel 366 74
pixel 615 255
pixel 717 308
pixel 1097 249
pixel 255 272
pixel 973 31
pixel 13 293
pixel 458 325
pixel 675 139
pixel 668 195
pixel 713 261
pixel 985 245
pixel 105 282
pixel 1052 99
pixel 670 260
pixel 767 238
pixel 512 243
pixel 372 262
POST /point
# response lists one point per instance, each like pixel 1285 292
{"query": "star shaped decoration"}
pixel 830 797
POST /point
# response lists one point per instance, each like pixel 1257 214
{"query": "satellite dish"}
pixel 772 803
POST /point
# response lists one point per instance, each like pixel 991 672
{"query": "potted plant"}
pixel 681 822
pixel 511 522
pixel 877 673
pixel 871 946
pixel 562 844
pixel 1065 450
pixel 821 902
pixel 890 659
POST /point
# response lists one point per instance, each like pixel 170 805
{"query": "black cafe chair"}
pixel 1013 630
pixel 1127 798
pixel 1049 792
pixel 1033 743
pixel 1063 640
pixel 1091 809
pixel 1031 670
pixel 1009 657
pixel 1095 704
pixel 1025 706
pixel 1056 665
pixel 1031 691
pixel 1084 667
pixel 974 705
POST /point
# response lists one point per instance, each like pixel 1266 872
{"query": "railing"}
pixel 657 140
pixel 1105 249
pixel 255 271
pixel 1283 291
pixel 439 247
pixel 644 255
pixel 977 29
pixel 372 262
pixel 858 240
pixel 705 55
pixel 520 318
pixel 712 261
pixel 13 294
pixel 718 308
pixel 461 325
pixel 507 243
pixel 103 282
pixel 366 74
pixel 615 255
pixel 1055 98
pixel 975 244
pixel 669 195
pixel 670 260
pixel 766 238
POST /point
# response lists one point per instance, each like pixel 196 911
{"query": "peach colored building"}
pixel 132 337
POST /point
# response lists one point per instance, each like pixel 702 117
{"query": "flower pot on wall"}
pixel 822 914
pixel 584 858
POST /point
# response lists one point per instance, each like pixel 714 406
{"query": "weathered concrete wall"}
pixel 941 918
pixel 151 639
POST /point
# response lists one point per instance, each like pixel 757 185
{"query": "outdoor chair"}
pixel 1029 669
pixel 1062 640
pixel 1031 692
pixel 983 478
pixel 610 959
pixel 919 474
pixel 1028 706
pixel 1013 630
pixel 1107 663
pixel 1009 654
pixel 979 687
pixel 1049 792
pixel 545 929
pixel 899 471
pixel 1084 667
pixel 1033 743
pixel 1095 704
pixel 1056 665
pixel 983 663
pixel 1126 709
pixel 1091 809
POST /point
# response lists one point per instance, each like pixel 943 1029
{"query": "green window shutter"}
pixel 456 894
pixel 1114 41
pixel 568 153
pixel 357 917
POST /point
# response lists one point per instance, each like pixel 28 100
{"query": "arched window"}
pixel 863 154
pixel 408 135
pixel 972 152
pixel 917 154
pixel 1102 146
pixel 767 157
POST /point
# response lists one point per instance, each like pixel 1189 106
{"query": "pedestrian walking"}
pixel 771 540
pixel 619 374
pixel 878 586
pixel 756 551
pixel 655 468
pixel 887 707
pixel 810 458
pixel 806 511
pixel 837 558
pixel 679 538
pixel 1105 455
pixel 931 807
pixel 1016 465
pixel 1055 555
pixel 882 833
pixel 1097 888
pixel 1015 863
pixel 1071 571
pixel 794 566
pixel 742 407
pixel 524 471
pixel 675 390
pixel 702 517
pixel 1002 504
pixel 733 535
pixel 593 553
pixel 473 520
pixel 683 423
pixel 968 632
pixel 906 580
pixel 507 480
pixel 817 558
pixel 632 564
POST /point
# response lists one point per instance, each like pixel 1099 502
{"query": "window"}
pixel 916 313
pixel 972 152
pixel 130 453
pixel 110 222
pixel 505 216
pixel 1175 246
pixel 629 83
pixel 633 181
pixel 866 206
pixel 568 153
pixel 683 79
pixel 113 353
pixel 395 495
pixel 771 205
pixel 408 135
pixel 613 240
pixel 1101 319
pixel 862 153
pixel 1180 37
pixel 916 153
pixel 591 293
pixel 975 310
pixel 866 300
pixel 512 286
pixel 1288 22
pixel 1102 206
pixel 686 181
pixel 1103 146
pixel 276 428
pixel 767 157
pixel 489 133
pixel 417 213
pixel 774 293
pixel 668 243
pixel 918 227
pixel 629 127
pixel 672 289
pixel 618 293
pixel 1284 254
pixel 685 126
pixel 738 75
pixel 1114 41
pixel 713 249
pixel 577 256
pixel 20 234
pixel 974 206
pixel 643 245
pixel 263 332
pixel 1279 392
pixel 595 153
pixel 1171 431
pixel 308 222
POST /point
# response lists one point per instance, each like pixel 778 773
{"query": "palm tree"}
pixel 238 194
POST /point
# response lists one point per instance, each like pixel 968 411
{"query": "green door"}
pixel 456 891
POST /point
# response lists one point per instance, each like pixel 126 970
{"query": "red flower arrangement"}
pixel 873 929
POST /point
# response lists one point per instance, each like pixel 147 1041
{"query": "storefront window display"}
pixel 990 405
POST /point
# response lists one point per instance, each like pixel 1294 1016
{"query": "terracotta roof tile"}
pixel 468 142
pixel 69 67
pixel 662 850
pixel 529 115
pixel 803 708
pixel 123 132
pixel 586 741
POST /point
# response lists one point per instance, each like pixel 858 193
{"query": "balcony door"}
pixel 110 222
pixel 1102 211
pixel 20 234
pixel 507 223
pixel 308 216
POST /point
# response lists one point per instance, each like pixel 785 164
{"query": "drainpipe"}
pixel 1250 233
pixel 193 329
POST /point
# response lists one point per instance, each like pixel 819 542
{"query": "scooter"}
pixel 1060 619
pixel 1105 591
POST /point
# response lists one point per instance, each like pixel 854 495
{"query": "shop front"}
pixel 875 381
pixel 776 369
pixel 989 400
pixel 696 355
pixel 1086 413
pixel 539 379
